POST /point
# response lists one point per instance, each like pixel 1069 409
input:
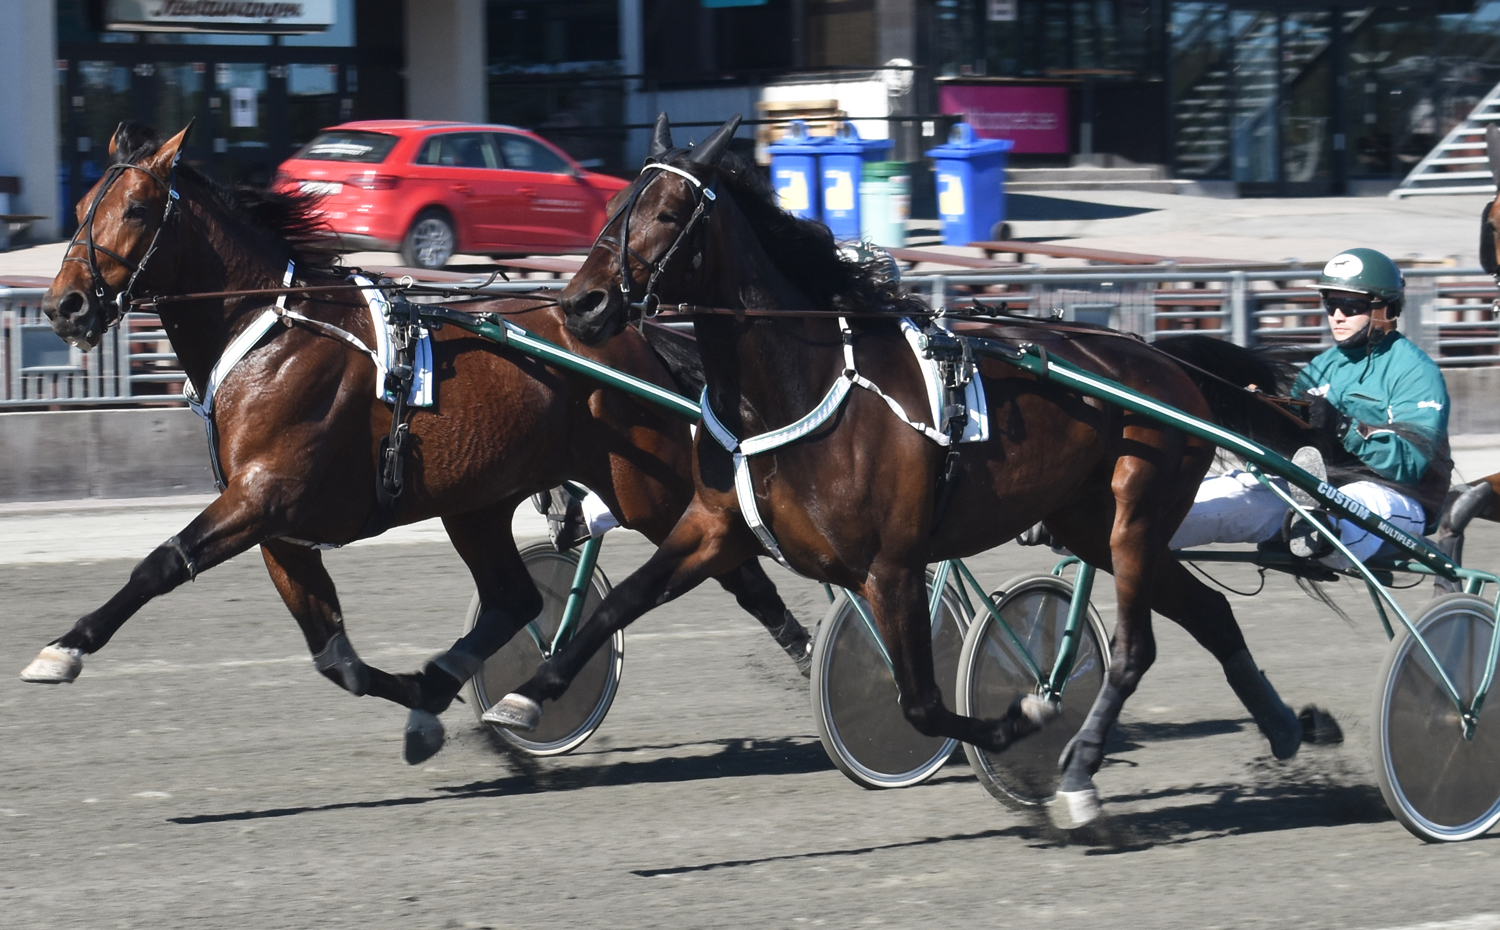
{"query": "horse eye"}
pixel 136 211
pixel 665 217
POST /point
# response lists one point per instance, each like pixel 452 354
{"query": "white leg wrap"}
pixel 54 665
pixel 515 711
pixel 461 665
pixel 1038 709
pixel 1070 810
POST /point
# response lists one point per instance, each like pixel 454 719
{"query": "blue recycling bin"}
pixel 970 184
pixel 841 165
pixel 794 171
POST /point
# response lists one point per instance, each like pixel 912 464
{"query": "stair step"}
pixel 1084 174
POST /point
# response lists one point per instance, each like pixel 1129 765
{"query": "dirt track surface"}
pixel 200 774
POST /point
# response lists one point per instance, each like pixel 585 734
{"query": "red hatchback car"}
pixel 429 189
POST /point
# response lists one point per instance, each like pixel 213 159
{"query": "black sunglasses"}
pixel 1349 306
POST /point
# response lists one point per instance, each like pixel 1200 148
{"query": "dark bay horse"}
pixel 853 501
pixel 298 426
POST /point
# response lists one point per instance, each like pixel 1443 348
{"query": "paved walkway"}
pixel 1428 229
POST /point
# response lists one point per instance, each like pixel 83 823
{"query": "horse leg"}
pixel 756 594
pixel 898 601
pixel 508 601
pixel 1136 543
pixel 227 527
pixel 304 585
pixel 701 546
pixel 1206 615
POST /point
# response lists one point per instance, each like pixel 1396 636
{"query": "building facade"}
pixel 1258 96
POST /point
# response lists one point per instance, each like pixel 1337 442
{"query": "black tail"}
pixel 679 352
pixel 1222 371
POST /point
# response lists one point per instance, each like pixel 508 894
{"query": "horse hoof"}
pixel 54 665
pixel 1070 810
pixel 514 712
pixel 424 736
pixel 1319 727
pixel 1039 710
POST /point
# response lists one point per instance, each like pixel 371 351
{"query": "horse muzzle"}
pixel 76 315
pixel 595 315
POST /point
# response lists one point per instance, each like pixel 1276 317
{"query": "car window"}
pixel 458 150
pixel 522 154
pixel 345 145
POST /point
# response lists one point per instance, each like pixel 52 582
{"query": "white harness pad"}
pixel 977 429
pixel 423 380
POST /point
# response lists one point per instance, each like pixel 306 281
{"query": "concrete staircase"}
pixel 1148 178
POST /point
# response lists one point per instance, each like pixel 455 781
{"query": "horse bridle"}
pixel 92 248
pixel 704 198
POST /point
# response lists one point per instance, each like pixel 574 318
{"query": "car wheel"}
pixel 430 242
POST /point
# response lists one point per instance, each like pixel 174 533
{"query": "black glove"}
pixel 1328 421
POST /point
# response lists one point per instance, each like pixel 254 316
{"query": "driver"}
pixel 1379 407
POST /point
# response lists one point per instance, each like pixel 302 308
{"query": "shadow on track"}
pixel 735 758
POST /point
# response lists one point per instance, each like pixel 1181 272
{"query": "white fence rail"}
pixel 1448 312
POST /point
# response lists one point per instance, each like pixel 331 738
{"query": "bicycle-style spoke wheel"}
pixel 856 704
pixel 993 672
pixel 571 719
pixel 1441 786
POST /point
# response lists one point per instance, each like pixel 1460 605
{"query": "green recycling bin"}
pixel 885 202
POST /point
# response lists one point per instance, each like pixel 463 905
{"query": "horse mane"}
pixel 678 353
pixel 804 250
pixel 1487 259
pixel 286 221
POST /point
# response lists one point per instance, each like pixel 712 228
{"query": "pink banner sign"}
pixel 1035 118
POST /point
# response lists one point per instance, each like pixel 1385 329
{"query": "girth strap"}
pixel 742 449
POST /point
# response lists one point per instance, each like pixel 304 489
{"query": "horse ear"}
pixel 661 136
pixel 714 146
pixel 114 139
pixel 1492 144
pixel 170 151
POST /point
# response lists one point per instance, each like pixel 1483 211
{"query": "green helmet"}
pixel 1365 271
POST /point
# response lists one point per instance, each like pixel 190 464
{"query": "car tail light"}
pixel 373 182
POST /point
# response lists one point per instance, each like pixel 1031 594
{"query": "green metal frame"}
pixel 1416 550
pixel 1419 556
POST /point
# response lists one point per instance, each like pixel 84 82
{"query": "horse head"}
pixel 1489 251
pixel 656 226
pixel 120 225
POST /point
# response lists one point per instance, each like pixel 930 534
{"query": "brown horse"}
pixel 299 425
pixel 854 501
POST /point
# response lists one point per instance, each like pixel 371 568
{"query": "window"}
pixel 364 147
pixel 523 154
pixel 458 150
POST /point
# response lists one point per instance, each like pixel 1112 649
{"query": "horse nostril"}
pixel 70 305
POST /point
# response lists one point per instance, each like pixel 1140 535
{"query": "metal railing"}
pixel 1448 313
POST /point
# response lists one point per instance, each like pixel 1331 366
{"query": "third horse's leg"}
pixel 757 595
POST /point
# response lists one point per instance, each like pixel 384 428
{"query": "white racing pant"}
pixel 1236 508
pixel 597 516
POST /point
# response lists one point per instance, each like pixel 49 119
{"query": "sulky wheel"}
pixel 572 718
pixel 855 700
pixel 1441 786
pixel 992 674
